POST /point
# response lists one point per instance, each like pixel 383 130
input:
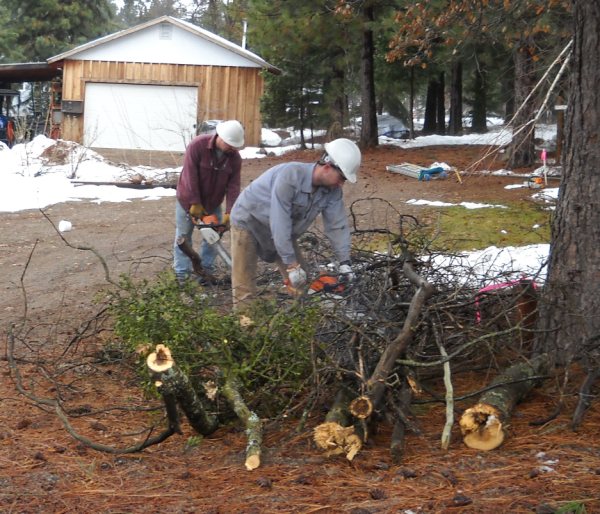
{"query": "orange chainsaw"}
pixel 324 283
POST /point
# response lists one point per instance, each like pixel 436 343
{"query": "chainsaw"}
pixel 212 237
pixel 324 283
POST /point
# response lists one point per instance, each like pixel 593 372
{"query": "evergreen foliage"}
pixel 270 357
pixel 35 30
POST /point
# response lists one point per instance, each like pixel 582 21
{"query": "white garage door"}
pixel 136 116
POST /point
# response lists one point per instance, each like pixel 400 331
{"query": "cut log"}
pixel 130 185
pixel 251 421
pixel 171 408
pixel 361 407
pixel 337 435
pixel 170 380
pixel 401 422
pixel 483 426
pixel 336 439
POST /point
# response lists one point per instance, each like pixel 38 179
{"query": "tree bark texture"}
pixel 376 384
pixel 455 124
pixel 368 135
pixel 522 150
pixel 570 311
pixel 251 422
pixel 479 120
pixel 400 415
pixel 440 126
pixel 483 425
pixel 172 382
pixel 429 122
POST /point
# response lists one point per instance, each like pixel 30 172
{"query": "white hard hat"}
pixel 232 132
pixel 344 154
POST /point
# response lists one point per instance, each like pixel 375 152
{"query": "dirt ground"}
pixel 51 282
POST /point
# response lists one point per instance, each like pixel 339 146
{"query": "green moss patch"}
pixel 458 228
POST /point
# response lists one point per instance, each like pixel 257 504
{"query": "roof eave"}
pixel 183 25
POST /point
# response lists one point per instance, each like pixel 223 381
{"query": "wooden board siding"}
pixel 224 92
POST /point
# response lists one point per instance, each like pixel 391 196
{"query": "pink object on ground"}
pixel 492 287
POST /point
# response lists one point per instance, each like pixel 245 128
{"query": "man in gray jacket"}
pixel 280 205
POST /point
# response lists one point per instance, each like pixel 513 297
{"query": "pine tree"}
pixel 46 28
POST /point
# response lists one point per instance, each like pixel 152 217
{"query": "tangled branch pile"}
pixel 404 326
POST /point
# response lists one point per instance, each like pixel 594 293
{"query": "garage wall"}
pixel 224 92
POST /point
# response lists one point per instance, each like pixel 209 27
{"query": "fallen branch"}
pixel 62 415
pixel 171 381
pixel 401 421
pixel 130 185
pixel 252 422
pixel 585 397
pixel 483 425
pixel 377 382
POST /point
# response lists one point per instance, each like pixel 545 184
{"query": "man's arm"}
pixel 190 174
pixel 280 216
pixel 335 222
pixel 234 185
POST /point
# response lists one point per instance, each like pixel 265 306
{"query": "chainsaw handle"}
pixel 210 225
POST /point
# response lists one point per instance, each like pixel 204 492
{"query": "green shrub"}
pixel 270 358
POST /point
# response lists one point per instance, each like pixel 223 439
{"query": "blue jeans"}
pixel 184 227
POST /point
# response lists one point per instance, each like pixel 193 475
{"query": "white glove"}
pixel 346 273
pixel 296 276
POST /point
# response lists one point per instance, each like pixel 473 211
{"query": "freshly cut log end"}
pixel 361 407
pixel 252 462
pixel 336 439
pixel 481 427
pixel 160 360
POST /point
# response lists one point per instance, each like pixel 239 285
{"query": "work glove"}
pixel 224 226
pixel 346 273
pixel 296 276
pixel 197 211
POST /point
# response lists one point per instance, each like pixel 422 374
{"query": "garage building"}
pixel 151 87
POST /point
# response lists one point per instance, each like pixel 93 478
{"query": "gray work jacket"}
pixel 282 203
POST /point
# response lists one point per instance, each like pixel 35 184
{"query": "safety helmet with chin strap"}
pixel 232 132
pixel 345 155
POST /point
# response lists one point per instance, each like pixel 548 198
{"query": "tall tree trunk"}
pixel 429 122
pixel 479 124
pixel 455 125
pixel 412 102
pixel 508 85
pixel 522 150
pixel 570 313
pixel 441 106
pixel 368 134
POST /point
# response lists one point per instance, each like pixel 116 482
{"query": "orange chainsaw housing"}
pixel 327 284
